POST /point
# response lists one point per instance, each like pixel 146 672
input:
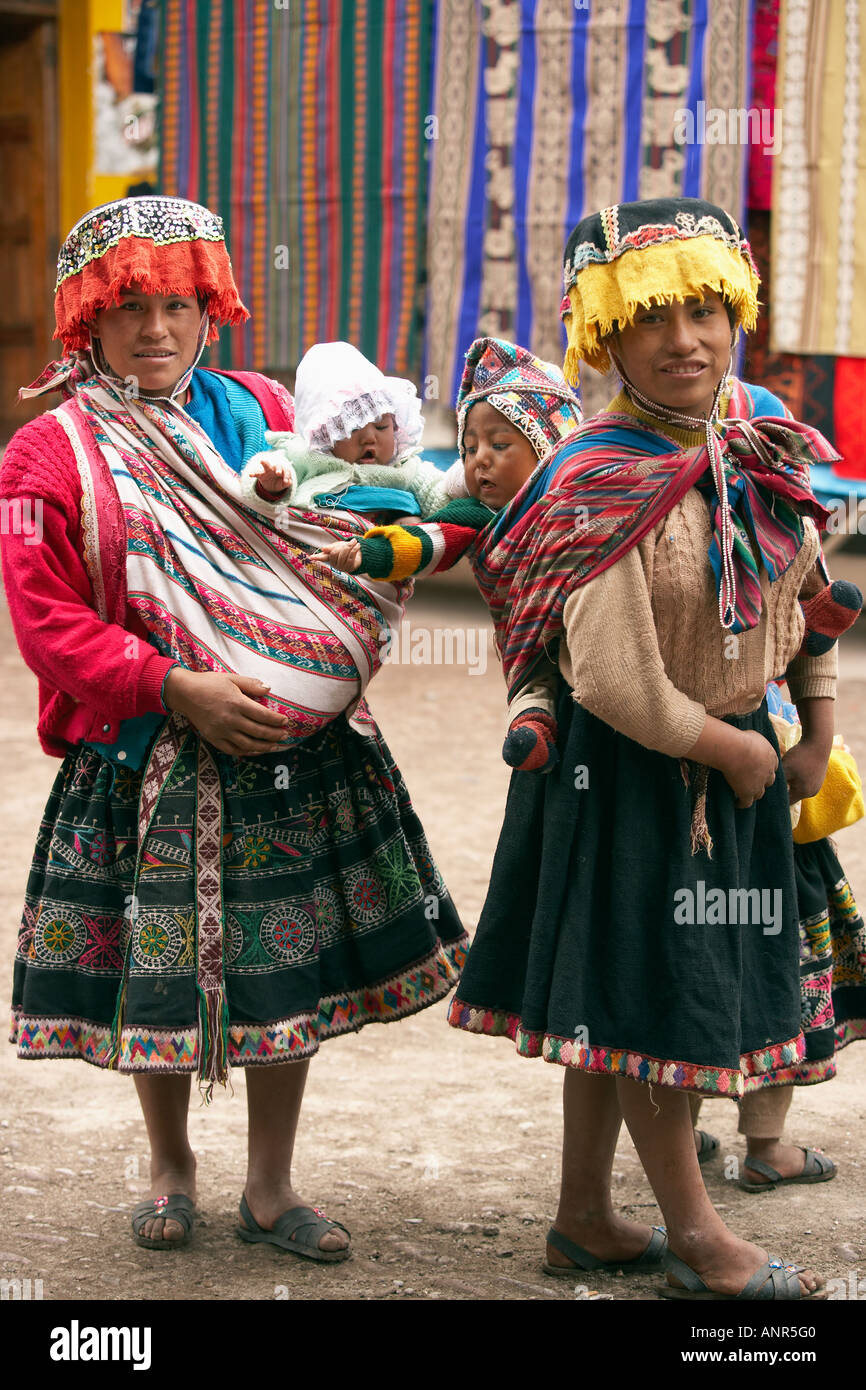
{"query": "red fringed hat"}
pixel 165 245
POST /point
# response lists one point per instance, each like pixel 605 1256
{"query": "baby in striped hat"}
pixel 512 410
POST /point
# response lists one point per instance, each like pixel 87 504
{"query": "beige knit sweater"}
pixel 643 647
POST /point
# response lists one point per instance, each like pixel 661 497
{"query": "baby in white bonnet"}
pixel 355 446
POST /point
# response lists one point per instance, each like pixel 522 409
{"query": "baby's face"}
pixel 372 443
pixel 498 458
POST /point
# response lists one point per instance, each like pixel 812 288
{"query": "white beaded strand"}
pixel 715 451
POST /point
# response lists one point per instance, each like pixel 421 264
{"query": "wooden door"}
pixel 28 205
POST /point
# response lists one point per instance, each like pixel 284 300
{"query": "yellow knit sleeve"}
pixel 406 550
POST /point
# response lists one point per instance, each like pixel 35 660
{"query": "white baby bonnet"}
pixel 337 391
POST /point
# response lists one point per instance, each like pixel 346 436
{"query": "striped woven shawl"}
pixel 609 484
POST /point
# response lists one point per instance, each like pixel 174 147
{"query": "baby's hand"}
pixel 342 555
pixel 273 474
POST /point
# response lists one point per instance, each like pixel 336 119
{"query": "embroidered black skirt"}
pixel 605 944
pixel 333 914
pixel 832 960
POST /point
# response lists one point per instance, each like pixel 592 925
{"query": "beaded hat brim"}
pixel 162 245
pixel 532 394
pixel 635 255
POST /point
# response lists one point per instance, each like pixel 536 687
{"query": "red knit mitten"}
pixel 829 614
pixel 530 744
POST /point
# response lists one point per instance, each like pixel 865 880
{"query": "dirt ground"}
pixel 438 1150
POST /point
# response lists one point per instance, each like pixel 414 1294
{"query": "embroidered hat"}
pixel 532 394
pixel 630 256
pixel 165 245
pixel 338 391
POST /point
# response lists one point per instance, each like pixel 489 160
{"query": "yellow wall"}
pixel 80 187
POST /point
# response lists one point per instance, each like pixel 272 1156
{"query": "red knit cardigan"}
pixel 92 674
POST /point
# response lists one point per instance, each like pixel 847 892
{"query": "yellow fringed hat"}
pixel 627 257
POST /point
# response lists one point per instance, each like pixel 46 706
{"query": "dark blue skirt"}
pixel 607 945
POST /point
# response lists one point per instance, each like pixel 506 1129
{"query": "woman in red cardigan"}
pixel 229 868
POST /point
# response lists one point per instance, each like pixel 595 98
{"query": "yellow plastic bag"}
pixel 787 735
pixel 838 803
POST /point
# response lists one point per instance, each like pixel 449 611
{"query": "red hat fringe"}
pixel 185 268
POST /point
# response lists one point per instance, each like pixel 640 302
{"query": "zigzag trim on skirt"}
pixel 811 1073
pixel 803 1074
pixel 611 1061
pixel 176 1050
pixel 853 1030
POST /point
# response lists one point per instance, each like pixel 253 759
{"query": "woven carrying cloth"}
pixel 218 585
pixel 532 394
pixel 610 485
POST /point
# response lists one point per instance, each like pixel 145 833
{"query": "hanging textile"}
pixel 765 48
pixel 547 110
pixel 822 390
pixel 305 126
pixel 819 190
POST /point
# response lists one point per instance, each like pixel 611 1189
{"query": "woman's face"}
pixel 676 354
pixel 151 338
pixel 498 458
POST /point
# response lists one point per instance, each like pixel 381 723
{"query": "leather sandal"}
pixel 174 1207
pixel 299 1230
pixel 773 1280
pixel 708 1146
pixel 646 1262
pixel 816 1168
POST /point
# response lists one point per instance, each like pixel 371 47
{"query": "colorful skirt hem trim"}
pixel 773 1065
pixel 166 1050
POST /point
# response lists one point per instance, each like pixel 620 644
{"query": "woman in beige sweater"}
pixel 641 924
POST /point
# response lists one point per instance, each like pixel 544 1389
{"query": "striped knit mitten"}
pixel 530 744
pixel 829 614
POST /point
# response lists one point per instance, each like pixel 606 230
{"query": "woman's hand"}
pixel 805 768
pixel 342 555
pixel 750 767
pixel 226 711
pixel 747 761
